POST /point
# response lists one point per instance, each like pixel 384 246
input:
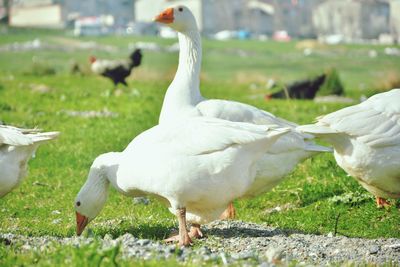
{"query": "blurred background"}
pixel 332 21
pixel 343 47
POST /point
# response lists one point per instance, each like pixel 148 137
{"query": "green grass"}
pixel 60 168
pixel 84 256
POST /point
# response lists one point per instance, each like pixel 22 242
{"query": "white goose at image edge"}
pixel 17 146
pixel 366 142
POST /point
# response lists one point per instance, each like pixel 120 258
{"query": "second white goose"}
pixel 183 99
pixel 366 141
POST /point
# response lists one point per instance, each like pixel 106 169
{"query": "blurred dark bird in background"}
pixel 304 89
pixel 116 70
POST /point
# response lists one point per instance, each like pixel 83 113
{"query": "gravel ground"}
pixel 238 242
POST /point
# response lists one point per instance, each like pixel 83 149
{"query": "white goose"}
pixel 366 141
pixel 17 146
pixel 183 98
pixel 197 165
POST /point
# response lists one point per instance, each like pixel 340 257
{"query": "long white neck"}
pixel 184 92
pixel 102 172
pixel 97 181
pixel 94 192
pixel 109 164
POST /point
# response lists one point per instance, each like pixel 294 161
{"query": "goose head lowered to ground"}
pixel 93 195
pixel 198 166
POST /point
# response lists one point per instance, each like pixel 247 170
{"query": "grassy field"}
pixel 238 70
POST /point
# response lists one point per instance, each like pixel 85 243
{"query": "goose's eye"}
pixel 78 203
pixel 180 9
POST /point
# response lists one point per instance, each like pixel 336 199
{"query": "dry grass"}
pixel 389 81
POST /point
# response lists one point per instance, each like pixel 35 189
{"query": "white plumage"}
pixel 17 146
pixel 183 99
pixel 366 141
pixel 200 164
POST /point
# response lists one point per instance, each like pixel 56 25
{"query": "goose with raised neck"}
pixel 183 94
pixel 183 98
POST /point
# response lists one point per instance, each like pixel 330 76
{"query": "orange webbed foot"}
pixel 229 213
pixel 382 203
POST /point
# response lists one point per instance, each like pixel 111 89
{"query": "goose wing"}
pixel 14 136
pixel 375 122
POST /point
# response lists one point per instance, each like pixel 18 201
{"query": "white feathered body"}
pixel 282 157
pixel 17 146
pixel 183 99
pixel 201 164
pixel 366 141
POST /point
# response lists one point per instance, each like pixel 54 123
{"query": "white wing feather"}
pixel 375 122
pixel 13 136
pixel 239 112
pixel 202 135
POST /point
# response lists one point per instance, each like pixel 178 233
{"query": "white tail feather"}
pixel 317 148
pixel 277 132
pixel 43 137
pixel 316 129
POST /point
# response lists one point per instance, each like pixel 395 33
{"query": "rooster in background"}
pixel 116 70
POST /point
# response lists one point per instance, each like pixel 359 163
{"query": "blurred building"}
pixel 350 20
pixel 36 13
pixel 395 19
pixel 294 16
pixel 122 11
pixel 260 17
pixel 60 13
pixel 256 16
pixel 211 15
pixel 354 19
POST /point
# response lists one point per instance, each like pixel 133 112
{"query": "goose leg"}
pixel 229 213
pixel 195 231
pixel 184 239
pixel 382 203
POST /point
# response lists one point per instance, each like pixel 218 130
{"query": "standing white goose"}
pixel 17 146
pixel 366 141
pixel 183 99
pixel 197 165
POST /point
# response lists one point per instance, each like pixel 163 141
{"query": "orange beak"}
pixel 81 222
pixel 166 17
